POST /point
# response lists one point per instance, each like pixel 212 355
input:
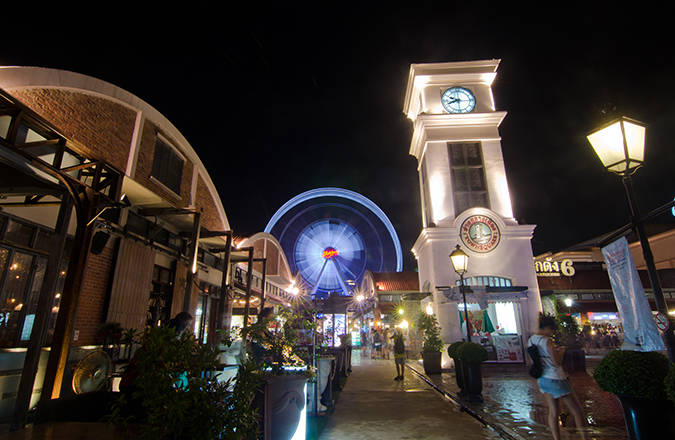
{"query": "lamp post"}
pixel 620 145
pixel 460 262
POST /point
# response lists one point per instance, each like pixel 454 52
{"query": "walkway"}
pixel 373 406
pixel 517 410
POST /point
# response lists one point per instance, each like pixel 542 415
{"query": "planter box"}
pixel 280 403
pixel 432 363
pixel 574 361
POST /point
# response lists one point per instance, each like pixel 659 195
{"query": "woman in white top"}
pixel 553 382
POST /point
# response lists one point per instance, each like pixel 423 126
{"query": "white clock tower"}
pixel 466 201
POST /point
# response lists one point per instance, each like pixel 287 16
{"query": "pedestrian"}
pixel 553 383
pixel 385 344
pixel 399 354
pixel 377 345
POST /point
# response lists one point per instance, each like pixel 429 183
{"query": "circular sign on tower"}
pixel 480 233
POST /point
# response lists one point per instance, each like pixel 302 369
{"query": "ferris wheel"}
pixel 332 236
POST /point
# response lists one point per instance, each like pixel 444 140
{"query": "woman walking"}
pixel 553 383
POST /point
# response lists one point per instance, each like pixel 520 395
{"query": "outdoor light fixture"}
pixel 568 302
pixel 460 262
pixel 429 309
pixel 360 297
pixel 620 146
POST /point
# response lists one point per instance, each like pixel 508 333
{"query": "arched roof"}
pixel 26 78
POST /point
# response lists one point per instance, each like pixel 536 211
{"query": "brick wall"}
pixel 203 200
pixel 93 298
pixel 102 127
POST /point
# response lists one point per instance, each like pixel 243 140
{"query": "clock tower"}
pixel 466 201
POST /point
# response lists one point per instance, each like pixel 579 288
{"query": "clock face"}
pixel 458 100
pixel 480 233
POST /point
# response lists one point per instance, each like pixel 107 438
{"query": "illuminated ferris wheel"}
pixel 331 236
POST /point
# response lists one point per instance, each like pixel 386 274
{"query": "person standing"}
pixel 553 383
pixel 399 354
pixel 385 344
pixel 377 345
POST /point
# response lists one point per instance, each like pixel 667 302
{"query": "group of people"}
pixel 381 343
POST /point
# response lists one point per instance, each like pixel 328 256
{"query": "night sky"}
pixel 277 100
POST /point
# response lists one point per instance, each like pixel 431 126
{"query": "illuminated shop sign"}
pixel 550 268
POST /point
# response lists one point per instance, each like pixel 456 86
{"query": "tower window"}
pixel 469 186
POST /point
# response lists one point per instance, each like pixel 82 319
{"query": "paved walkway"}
pixel 515 408
pixel 373 406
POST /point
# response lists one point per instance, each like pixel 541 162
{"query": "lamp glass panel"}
pixel 608 144
pixel 635 139
pixel 460 262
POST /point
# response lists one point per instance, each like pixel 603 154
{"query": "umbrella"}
pixel 487 323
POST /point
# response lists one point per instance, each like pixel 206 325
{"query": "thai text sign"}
pixel 550 268
pixel 631 300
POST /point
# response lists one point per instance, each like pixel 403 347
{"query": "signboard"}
pixel 508 347
pixel 550 268
pixel 662 322
pixel 631 300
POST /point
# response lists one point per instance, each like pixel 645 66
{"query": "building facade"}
pixel 107 215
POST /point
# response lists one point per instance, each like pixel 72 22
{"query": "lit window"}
pixel 469 186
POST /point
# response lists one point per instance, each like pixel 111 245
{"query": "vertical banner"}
pixel 631 301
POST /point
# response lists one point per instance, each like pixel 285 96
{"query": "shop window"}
pixel 167 166
pixel 17 276
pixel 506 317
pixel 205 314
pixel 469 186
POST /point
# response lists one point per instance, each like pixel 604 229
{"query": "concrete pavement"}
pixel 373 406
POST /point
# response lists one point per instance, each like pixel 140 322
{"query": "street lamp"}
pixel 460 262
pixel 620 146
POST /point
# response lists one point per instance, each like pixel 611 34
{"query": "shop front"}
pixel 495 319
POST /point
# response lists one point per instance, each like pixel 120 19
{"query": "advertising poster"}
pixel 631 300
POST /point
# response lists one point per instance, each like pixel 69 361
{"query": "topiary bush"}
pixel 472 352
pixel 670 383
pixel 452 348
pixel 633 373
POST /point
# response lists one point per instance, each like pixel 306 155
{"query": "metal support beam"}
pixel 224 312
pixel 193 253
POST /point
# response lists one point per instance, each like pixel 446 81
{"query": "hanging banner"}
pixel 631 301
pixel 481 295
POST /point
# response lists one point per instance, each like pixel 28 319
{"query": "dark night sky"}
pixel 279 100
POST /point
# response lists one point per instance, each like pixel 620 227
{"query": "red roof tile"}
pixel 396 281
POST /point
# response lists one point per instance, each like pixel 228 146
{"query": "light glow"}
pixel 620 154
pixel 437 194
pixel 429 309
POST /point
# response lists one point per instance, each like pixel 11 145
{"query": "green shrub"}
pixel 179 400
pixel 472 352
pixel 452 349
pixel 428 324
pixel 633 373
pixel 569 333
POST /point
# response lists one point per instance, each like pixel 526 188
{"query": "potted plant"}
pixel 172 398
pixel 472 356
pixel 639 381
pixel 432 345
pixel 459 376
pixel 277 351
pixel 570 335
